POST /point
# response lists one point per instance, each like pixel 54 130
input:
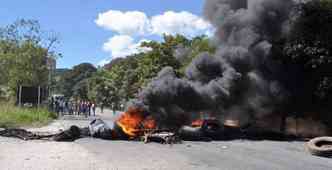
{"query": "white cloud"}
pixel 128 23
pixel 184 23
pixel 121 46
pixel 137 23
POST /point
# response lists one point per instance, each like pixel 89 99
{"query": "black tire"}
pixel 120 135
pixel 189 133
pixel 321 146
pixel 69 135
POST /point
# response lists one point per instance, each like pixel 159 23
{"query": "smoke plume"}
pixel 240 81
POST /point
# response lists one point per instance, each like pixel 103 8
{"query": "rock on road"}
pixel 96 154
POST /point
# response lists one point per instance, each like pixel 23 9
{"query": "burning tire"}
pixel 193 134
pixel 99 129
pixel 120 135
pixel 321 146
pixel 69 135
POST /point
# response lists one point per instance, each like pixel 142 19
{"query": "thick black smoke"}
pixel 241 80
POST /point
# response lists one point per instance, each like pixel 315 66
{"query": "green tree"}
pixel 104 89
pixel 74 82
pixel 24 53
pixel 306 51
pixel 122 79
pixel 196 46
pixel 160 56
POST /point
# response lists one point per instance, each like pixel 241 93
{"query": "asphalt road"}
pixel 91 154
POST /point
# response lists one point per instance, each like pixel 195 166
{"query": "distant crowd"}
pixel 81 107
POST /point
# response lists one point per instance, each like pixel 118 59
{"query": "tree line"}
pixel 306 52
pixel 120 80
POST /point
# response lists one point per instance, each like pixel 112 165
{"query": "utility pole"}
pixel 20 96
pixel 38 105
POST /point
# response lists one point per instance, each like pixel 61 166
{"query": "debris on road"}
pixel 321 146
pixel 24 134
pixel 210 130
pixel 161 137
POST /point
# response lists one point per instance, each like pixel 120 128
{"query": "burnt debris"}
pixel 209 130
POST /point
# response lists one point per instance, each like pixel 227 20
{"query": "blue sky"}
pixel 82 39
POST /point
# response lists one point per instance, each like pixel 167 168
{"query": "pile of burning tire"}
pixel 209 129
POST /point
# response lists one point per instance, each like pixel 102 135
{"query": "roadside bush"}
pixel 12 116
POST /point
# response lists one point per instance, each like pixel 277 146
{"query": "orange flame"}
pixel 197 123
pixel 149 123
pixel 232 123
pixel 132 122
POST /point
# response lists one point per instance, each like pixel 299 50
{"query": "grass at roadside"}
pixel 12 116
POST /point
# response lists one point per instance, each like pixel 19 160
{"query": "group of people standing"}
pixel 86 108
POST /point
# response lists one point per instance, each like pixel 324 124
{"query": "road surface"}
pixel 96 154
